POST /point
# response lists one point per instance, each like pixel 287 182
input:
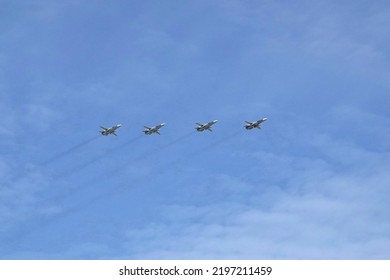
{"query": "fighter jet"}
pixel 256 124
pixel 154 129
pixel 203 127
pixel 110 130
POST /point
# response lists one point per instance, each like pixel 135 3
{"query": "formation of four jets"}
pixel 200 127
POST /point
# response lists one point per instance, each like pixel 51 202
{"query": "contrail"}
pixel 153 151
pixel 198 152
pixel 160 171
pixel 23 233
pixel 95 159
pixel 69 151
pixel 81 166
pixel 185 158
pixel 53 159
pixel 161 148
pixel 117 169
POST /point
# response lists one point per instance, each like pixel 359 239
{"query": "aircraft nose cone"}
pixel 215 121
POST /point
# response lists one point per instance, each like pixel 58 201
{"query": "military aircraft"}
pixel 154 129
pixel 256 124
pixel 203 127
pixel 110 130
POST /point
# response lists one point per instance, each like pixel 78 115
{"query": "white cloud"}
pixel 319 190
pixel 40 117
pixel 331 204
pixel 328 32
pixel 8 121
pixel 21 197
pixel 335 219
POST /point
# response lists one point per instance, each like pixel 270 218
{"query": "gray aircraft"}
pixel 154 129
pixel 110 130
pixel 256 124
pixel 203 127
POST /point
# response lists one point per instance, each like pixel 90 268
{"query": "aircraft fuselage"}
pixel 207 126
pixel 256 124
pixel 154 129
pixel 111 130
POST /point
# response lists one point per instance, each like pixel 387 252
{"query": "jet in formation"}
pixel 206 126
pixel 256 124
pixel 154 129
pixel 110 130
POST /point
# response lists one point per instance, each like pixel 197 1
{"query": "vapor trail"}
pixel 19 236
pixel 69 151
pixel 197 152
pixel 160 171
pixel 95 159
pixel 116 169
pixel 161 148
pixel 175 163
pixel 54 158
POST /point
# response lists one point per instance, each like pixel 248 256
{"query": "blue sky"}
pixel 312 184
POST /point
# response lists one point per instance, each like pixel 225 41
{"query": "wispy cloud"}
pixel 312 184
pixel 327 204
pixel 335 218
pixel 353 39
